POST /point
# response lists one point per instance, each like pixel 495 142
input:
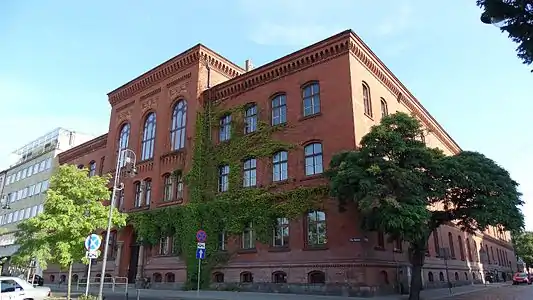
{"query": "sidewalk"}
pixel 432 294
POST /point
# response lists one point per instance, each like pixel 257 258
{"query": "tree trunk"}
pixel 69 280
pixel 417 261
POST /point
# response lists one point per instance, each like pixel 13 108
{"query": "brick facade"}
pixel 342 66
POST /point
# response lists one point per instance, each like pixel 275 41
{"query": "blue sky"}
pixel 58 59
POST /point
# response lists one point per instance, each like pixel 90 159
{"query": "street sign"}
pixel 93 242
pixel 201 236
pixel 92 254
pixel 200 246
pixel 200 253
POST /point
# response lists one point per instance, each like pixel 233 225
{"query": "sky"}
pixel 59 59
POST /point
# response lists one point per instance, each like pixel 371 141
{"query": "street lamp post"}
pixel 126 158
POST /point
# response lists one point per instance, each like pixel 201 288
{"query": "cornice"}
pixel 171 67
pixel 83 149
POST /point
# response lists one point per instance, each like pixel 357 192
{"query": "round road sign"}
pixel 201 236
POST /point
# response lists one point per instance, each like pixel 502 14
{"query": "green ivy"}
pixel 231 211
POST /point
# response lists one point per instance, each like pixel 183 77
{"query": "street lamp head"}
pixel 487 19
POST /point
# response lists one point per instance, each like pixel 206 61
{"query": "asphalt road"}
pixel 510 292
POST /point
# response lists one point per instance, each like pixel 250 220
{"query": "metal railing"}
pixel 112 282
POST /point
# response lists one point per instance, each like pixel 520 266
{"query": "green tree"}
pixel 523 245
pixel 394 179
pixel 515 18
pixel 73 209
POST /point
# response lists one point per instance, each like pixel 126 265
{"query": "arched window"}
pixel 488 254
pixel 96 278
pixel 179 121
pixel 384 277
pixel 313 159
pixel 279 277
pixel 461 247
pixel 52 278
pixel 367 101
pixel 279 109
pixel 167 188
pixel 316 228
pixel 63 278
pixel 138 194
pixel 249 173
pixel 452 247
pixel 218 277
pixel 92 168
pixel 157 277
pixel 224 132
pixel 311 99
pixel 441 276
pixel 456 276
pixel 148 141
pixel 75 277
pixel 247 277
pixel 123 139
pixel 170 277
pixel 250 119
pixel 430 277
pixel 316 277
pixel 436 242
pixel 384 108
pixel 466 276
pixel 147 191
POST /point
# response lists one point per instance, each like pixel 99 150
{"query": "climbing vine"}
pixel 229 212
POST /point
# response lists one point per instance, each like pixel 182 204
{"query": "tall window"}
pixel 279 109
pixel 250 119
pixel 281 233
pixel 92 168
pixel 313 159
pixel 311 99
pixel 179 186
pixel 147 192
pixel 164 245
pixel 488 254
pixel 461 247
pixel 248 238
pixel 384 108
pixel 250 172
pixel 367 101
pixel 436 242
pixel 138 194
pixel 179 121
pixel 225 128
pixel 223 178
pixel 120 202
pixel 280 166
pixel 381 240
pixel 316 228
pixel 452 247
pixel 123 140
pixel 148 142
pixel 167 188
pixel 469 249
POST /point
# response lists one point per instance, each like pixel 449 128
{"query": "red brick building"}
pixel 330 93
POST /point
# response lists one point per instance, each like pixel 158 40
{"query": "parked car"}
pixel 521 277
pixel 14 288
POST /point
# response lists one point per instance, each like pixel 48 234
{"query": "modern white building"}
pixel 25 183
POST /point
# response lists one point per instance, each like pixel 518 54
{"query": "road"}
pixel 510 292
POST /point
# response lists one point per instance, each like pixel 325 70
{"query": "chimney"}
pixel 248 65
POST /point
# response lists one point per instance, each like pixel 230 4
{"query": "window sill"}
pixel 169 203
pixel 140 208
pixel 279 249
pixel 315 248
pixel 144 161
pixel 314 176
pixel 247 251
pixel 303 118
pixel 378 248
pixel 369 116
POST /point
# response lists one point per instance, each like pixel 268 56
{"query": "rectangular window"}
pixel 21 215
pixel 281 233
pixel 31 190
pixel 179 187
pixel 248 238
pixel 222 243
pixel 225 128
pixel 27 213
pixel 15 216
pixel 44 186
pixel 138 194
pixel 18 175
pixel 381 240
pixel 163 246
pixel 30 171
pixel 280 166
pixel 42 166
pixel 316 228
pixel 24 172
pixel 167 189
pixel 24 193
pixel 250 119
pixel 250 173
pixel 398 245
pixel 311 99
pixel 223 178
pixel 313 159
pixel 36 168
pixel 147 192
pixel 279 110
pixel 34 211
pixel 48 163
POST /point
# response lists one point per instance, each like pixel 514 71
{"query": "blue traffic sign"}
pixel 201 236
pixel 93 242
pixel 200 253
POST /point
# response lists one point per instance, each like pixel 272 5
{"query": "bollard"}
pixel 138 294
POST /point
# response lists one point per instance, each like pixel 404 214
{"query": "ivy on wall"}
pixel 229 212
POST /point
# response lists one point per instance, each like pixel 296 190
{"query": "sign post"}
pixel 201 237
pixel 92 244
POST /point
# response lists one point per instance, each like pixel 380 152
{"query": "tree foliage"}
pixel 407 190
pixel 73 209
pixel 517 18
pixel 523 245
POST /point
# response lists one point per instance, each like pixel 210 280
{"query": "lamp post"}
pixel 127 159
